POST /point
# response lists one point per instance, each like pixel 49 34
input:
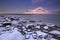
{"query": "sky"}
pixel 19 6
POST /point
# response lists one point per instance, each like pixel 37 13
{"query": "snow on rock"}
pixel 38 27
pixel 15 35
pixel 46 27
pixel 53 39
pixel 50 24
pixel 1 30
pixel 41 33
pixel 14 22
pixel 30 37
pixel 55 32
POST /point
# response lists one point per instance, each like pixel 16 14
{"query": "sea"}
pixel 46 18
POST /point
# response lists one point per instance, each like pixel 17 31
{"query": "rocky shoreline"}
pixel 30 29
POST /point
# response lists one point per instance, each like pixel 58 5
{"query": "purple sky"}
pixel 17 6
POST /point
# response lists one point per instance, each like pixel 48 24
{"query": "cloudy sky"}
pixel 20 6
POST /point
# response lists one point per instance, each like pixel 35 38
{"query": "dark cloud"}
pixel 58 12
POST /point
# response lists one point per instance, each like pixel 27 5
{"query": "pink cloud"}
pixel 38 10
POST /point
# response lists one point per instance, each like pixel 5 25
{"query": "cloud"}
pixel 36 1
pixel 44 2
pixel 58 11
pixel 10 12
pixel 38 10
pixel 49 3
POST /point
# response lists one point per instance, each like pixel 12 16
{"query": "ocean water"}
pixel 48 18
